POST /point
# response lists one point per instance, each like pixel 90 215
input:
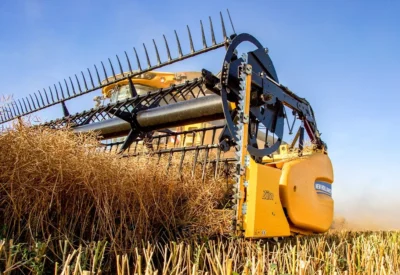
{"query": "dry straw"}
pixel 54 184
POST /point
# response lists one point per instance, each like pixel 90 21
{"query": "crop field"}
pixel 66 208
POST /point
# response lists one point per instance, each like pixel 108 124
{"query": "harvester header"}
pixel 232 120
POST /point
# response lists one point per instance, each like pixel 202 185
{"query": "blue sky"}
pixel 341 55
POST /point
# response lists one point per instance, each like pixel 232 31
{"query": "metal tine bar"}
pixel 10 112
pixel 196 154
pixel 203 35
pixel 3 114
pixel 112 69
pixel 72 85
pixel 179 45
pixel 212 32
pixel 57 92
pixel 217 162
pixel 26 108
pixel 58 98
pixel 84 80
pixel 91 78
pixel 230 19
pixel 37 100
pixel 181 161
pixel 147 56
pixel 15 113
pixel 66 85
pixel 16 105
pixel 79 84
pixel 129 62
pixel 169 160
pixel 120 66
pixel 33 103
pixel 191 40
pixel 22 108
pixel 105 73
pixel 158 55
pixel 45 93
pixel 41 97
pixel 223 26
pixel 28 104
pixel 62 90
pixel 51 93
pixel 205 164
pixel 98 76
pixel 167 47
pixel 6 112
pixel 137 59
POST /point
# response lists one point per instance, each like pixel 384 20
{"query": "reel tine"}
pixel 179 45
pixel 203 35
pixel 112 69
pixel 137 60
pixel 167 47
pixel 58 98
pixel 84 81
pixel 16 105
pixel 129 62
pixel 6 112
pixel 15 112
pixel 223 26
pixel 91 78
pixel 37 100
pixel 120 66
pixel 196 154
pixel 26 108
pixel 72 85
pixel 41 97
pixel 62 91
pixel 66 85
pixel 57 92
pixel 147 56
pixel 22 108
pixel 29 105
pixel 47 98
pixel 181 161
pixel 79 84
pixel 33 103
pixel 105 73
pixel 230 19
pixel 98 76
pixel 3 114
pixel 205 164
pixel 12 110
pixel 51 94
pixel 212 32
pixel 190 40
pixel 158 55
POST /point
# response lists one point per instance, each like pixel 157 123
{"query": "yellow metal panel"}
pixel 265 216
pixel 304 193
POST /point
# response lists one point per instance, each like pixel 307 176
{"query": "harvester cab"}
pixel 232 120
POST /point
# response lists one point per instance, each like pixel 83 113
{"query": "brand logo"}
pixel 267 195
pixel 323 188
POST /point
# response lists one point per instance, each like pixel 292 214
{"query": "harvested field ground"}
pixel 66 208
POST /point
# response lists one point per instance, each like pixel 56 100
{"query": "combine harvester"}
pixel 234 119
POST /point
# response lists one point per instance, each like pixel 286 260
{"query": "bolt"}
pixel 266 97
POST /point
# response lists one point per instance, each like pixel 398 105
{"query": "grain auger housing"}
pixel 231 120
